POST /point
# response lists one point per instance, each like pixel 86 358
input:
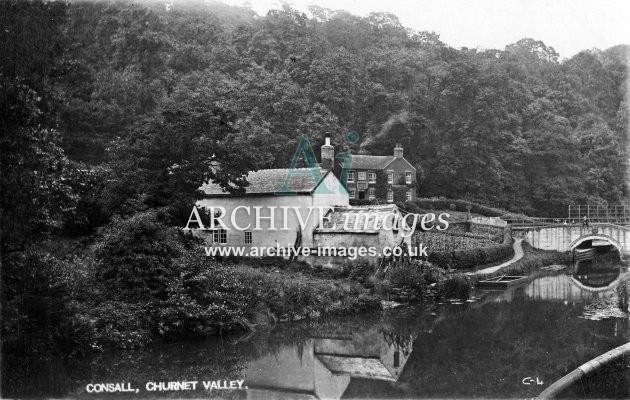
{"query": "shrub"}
pixel 136 258
pixel 353 304
pixel 360 272
pixel 381 287
pixel 294 296
pixel 444 259
pixel 122 325
pixel 182 316
pixel 408 276
pixel 203 298
pixel 38 316
pixel 457 286
pixel 206 298
pixel 432 273
pixel 208 282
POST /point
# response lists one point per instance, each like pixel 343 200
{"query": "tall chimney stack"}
pixel 398 151
pixel 328 155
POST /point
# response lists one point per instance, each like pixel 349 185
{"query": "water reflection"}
pixel 470 350
pixel 595 274
pixel 581 282
pixel 543 329
pixel 323 366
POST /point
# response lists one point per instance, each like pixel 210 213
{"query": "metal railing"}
pixel 592 211
pixel 534 222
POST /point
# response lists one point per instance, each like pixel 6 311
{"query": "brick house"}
pixel 380 179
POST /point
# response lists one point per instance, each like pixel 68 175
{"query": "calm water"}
pixel 540 330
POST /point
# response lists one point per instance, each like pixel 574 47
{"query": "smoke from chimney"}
pixel 400 118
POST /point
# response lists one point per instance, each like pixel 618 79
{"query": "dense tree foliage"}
pixel 159 94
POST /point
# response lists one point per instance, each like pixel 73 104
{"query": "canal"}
pixel 509 343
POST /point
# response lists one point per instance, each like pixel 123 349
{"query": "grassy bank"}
pixel 532 260
pixel 222 297
pixel 141 281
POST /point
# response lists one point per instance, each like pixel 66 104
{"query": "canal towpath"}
pixel 518 254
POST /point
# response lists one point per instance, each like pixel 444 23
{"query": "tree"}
pixel 35 197
pixel 166 157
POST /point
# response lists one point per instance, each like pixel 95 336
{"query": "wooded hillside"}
pixel 127 104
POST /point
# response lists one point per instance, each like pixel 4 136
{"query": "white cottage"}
pixel 273 199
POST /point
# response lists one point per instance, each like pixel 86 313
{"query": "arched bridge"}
pixel 568 237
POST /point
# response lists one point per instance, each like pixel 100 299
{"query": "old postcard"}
pixel 315 199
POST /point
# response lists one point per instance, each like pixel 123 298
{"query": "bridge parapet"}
pixel 566 237
pixel 540 222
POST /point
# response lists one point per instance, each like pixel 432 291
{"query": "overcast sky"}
pixel 567 25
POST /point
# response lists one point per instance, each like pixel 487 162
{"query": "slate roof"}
pixel 356 367
pixel 337 218
pixel 370 162
pixel 269 181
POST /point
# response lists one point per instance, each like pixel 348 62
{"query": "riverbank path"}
pixel 518 254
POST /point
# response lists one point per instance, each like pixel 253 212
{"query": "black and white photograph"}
pixel 314 199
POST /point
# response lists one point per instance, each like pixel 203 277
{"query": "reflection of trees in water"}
pixel 279 338
pixel 487 351
pixel 218 358
pixel 465 351
pixel 404 323
pixel 399 342
pixel 623 295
